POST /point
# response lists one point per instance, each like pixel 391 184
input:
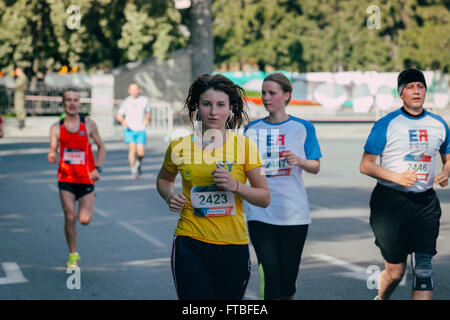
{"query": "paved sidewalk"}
pixel 38 127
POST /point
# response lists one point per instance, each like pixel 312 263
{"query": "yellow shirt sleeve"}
pixel 168 159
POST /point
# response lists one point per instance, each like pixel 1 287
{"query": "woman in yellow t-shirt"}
pixel 210 256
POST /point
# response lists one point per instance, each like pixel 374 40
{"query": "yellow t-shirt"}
pixel 212 215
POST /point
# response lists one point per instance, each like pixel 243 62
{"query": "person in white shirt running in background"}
pixel 288 146
pixel 134 115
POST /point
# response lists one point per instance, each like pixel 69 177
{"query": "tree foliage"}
pixel 109 33
pixel 297 35
pixel 332 35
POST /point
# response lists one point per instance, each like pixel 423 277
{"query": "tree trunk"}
pixel 202 45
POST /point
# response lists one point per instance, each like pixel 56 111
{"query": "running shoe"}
pixel 134 173
pixel 73 260
pixel 139 167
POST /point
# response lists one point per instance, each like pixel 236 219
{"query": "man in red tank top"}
pixel 77 171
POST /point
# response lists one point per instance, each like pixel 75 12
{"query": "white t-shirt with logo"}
pixel 404 143
pixel 134 111
pixel 289 202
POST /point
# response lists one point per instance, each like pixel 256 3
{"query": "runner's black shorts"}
pixel 206 271
pixel 78 189
pixel 404 222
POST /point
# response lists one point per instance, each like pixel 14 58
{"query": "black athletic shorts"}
pixel 404 222
pixel 279 251
pixel 78 189
pixel 205 271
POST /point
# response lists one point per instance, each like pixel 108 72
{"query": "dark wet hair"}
pixel 218 82
pixel 283 81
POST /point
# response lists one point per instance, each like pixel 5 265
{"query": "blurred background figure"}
pixel 20 85
pixel 1 127
pixel 134 115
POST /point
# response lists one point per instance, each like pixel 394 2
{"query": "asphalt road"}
pixel 126 249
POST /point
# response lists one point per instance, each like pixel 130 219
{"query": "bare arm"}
pixel 101 151
pixel 54 143
pixel 311 166
pixel 442 177
pixel 166 189
pixel 369 167
pixel 147 118
pixel 121 119
pixel 258 193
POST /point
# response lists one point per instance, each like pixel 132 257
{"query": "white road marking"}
pixel 120 177
pixel 355 271
pixel 13 274
pixel 11 216
pixel 142 234
pixel 144 187
pixel 101 212
pixel 148 263
pixel 137 187
pixel 313 206
pixel 318 212
pixel 15 152
pixel 53 187
pixel 155 166
pixel 340 263
pixel 174 217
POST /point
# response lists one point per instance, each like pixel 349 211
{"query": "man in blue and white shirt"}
pixel 405 211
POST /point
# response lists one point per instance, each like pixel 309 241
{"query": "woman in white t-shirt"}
pixel 288 146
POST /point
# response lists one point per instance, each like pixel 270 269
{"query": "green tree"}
pixel 425 42
pixel 151 28
pixel 262 30
pixel 41 35
pixel 298 35
pixel 26 34
pixel 332 35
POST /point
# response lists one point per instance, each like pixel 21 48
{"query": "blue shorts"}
pixel 131 136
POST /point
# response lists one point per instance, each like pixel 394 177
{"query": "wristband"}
pixel 99 169
pixel 237 187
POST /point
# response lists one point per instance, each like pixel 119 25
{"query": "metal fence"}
pixel 42 101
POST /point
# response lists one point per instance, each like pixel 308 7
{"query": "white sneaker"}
pixel 138 165
pixel 134 173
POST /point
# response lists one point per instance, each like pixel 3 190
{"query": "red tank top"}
pixel 76 160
